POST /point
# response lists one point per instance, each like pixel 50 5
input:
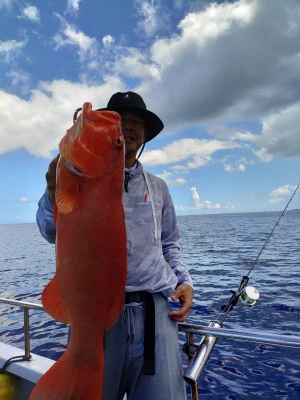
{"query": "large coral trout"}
pixel 91 260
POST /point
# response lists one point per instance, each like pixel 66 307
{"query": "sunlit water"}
pixel 218 250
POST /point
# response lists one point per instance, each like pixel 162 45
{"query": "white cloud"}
pixel 263 154
pixel 200 29
pixel 208 204
pixel 238 167
pixel 44 117
pixel 20 81
pixel 281 194
pixel 179 181
pixel 85 46
pixel 73 6
pixel 195 195
pixel 131 62
pixel 222 131
pixel 108 41
pixel 32 13
pixel 23 200
pixel 197 204
pixel 198 161
pixel 11 49
pixel 195 152
pixel 153 17
pixel 228 168
pixel 169 178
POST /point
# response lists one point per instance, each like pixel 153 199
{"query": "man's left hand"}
pixel 183 293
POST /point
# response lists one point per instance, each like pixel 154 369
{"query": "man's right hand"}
pixel 51 178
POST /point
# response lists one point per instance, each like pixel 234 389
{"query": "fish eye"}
pixel 119 142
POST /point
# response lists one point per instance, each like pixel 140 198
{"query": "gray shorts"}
pixel 124 348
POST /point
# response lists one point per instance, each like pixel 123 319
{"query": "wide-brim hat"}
pixel 133 102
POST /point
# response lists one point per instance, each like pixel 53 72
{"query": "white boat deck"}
pixel 29 371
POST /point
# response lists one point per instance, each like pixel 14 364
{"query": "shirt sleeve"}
pixel 171 241
pixel 45 220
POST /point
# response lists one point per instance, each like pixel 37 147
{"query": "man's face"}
pixel 133 129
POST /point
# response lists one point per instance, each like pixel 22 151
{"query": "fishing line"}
pixel 241 290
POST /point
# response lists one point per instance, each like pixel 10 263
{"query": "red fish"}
pixel 91 259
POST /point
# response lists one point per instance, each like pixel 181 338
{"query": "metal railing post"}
pixel 26 333
pixel 194 387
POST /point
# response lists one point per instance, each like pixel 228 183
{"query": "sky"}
pixel 223 77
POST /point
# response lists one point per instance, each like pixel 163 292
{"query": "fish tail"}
pixel 71 379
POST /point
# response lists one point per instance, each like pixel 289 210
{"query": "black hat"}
pixel 133 102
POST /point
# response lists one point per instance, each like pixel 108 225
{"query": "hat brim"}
pixel 153 123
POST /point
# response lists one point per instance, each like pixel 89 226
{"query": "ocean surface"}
pixel 218 251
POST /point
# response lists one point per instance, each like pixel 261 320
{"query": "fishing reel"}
pixel 249 296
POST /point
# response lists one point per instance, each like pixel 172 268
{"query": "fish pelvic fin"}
pixel 53 302
pixel 71 378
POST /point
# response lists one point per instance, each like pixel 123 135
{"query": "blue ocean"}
pixel 218 251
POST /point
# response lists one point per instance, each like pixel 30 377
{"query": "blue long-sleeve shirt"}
pixel 153 239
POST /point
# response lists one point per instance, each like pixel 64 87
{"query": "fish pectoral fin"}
pixel 65 200
pixel 53 302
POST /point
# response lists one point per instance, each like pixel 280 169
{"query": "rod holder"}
pixel 199 359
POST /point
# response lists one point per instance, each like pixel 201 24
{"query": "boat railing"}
pixel 188 329
pixel 26 307
pixel 250 336
pixel 196 356
pixel 199 353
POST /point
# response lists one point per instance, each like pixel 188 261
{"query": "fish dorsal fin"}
pixel 65 200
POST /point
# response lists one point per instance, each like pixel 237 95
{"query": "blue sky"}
pixel 223 77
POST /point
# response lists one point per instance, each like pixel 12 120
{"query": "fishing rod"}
pixel 247 294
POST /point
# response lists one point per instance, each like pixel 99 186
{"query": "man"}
pixel 142 357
